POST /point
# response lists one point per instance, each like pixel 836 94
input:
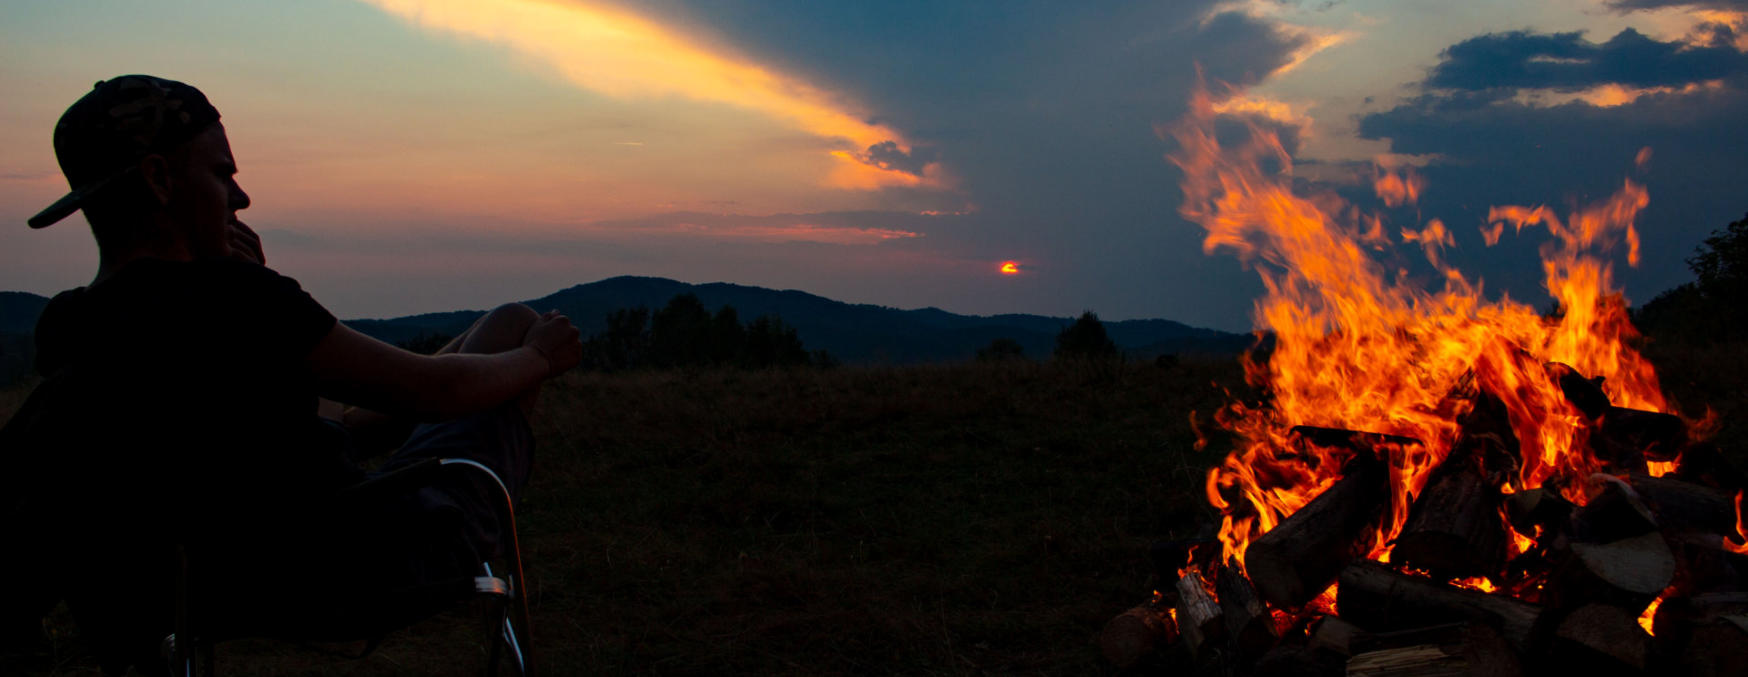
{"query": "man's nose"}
pixel 239 199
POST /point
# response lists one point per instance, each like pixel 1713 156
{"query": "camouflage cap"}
pixel 104 134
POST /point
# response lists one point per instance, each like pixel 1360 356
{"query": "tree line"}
pixel 1711 308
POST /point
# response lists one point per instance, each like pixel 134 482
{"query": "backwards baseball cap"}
pixel 104 134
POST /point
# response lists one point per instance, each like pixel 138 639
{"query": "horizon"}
pixel 899 156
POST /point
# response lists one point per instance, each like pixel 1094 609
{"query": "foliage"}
pixel 683 333
pixel 1086 340
pixel 1001 350
pixel 1711 308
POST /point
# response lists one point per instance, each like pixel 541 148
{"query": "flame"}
pixel 1476 583
pixel 1360 346
pixel 1010 268
pixel 1741 533
pixel 1646 620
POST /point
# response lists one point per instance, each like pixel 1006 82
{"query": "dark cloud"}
pixel 1566 61
pixel 887 155
pixel 1632 5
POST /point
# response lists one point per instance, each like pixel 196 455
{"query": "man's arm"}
pixel 361 370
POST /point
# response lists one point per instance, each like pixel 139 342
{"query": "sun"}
pixel 1010 268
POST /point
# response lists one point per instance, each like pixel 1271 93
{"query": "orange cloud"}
pixel 625 56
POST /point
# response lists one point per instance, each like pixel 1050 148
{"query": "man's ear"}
pixel 155 171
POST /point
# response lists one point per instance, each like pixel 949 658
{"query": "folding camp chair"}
pixel 191 642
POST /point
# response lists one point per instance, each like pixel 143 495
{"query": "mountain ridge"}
pixel 851 332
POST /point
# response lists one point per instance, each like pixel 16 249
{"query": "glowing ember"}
pixel 1361 346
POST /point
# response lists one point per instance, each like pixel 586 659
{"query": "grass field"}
pixel 971 519
pixel 968 519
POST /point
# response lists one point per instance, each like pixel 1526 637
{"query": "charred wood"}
pixel 1248 621
pixel 1472 650
pixel 1584 393
pixel 1628 433
pixel 1599 639
pixel 1375 597
pixel 1135 634
pixel 1199 619
pixel 1683 506
pixel 1704 634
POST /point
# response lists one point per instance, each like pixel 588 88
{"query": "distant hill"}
pixel 854 333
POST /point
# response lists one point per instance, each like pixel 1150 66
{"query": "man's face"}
pixel 206 197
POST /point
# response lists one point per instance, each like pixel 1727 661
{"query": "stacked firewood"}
pixel 1646 576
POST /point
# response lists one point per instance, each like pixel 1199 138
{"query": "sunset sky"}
pixel 410 156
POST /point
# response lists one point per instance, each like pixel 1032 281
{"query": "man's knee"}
pixel 501 329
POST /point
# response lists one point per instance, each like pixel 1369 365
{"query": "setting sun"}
pixel 1010 268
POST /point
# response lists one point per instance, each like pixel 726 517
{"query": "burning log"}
pixel 1702 463
pixel 1472 649
pixel 1248 621
pixel 1374 596
pixel 1454 529
pixel 1627 433
pixel 1136 633
pixel 1532 508
pixel 1599 638
pixel 1584 393
pixel 1199 618
pixel 1297 560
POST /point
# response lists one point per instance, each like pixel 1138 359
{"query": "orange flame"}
pixel 1647 619
pixel 1361 347
pixel 1010 268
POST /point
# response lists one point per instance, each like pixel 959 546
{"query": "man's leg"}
pixel 500 439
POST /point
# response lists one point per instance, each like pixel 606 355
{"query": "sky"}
pixel 409 156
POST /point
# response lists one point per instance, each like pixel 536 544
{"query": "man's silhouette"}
pixel 179 405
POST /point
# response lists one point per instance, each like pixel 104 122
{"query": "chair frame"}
pixel 508 626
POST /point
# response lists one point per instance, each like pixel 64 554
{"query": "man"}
pixel 180 397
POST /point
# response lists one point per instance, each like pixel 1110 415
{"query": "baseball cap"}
pixel 103 135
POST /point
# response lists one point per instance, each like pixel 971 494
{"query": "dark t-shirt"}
pixel 176 408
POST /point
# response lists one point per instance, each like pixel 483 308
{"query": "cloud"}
pixel 1633 5
pixel 1568 62
pixel 627 56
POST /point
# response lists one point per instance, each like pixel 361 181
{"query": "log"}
pixel 1600 639
pixel 1684 506
pixel 1199 619
pixel 1296 561
pixel 1632 433
pixel 1627 573
pixel 1704 634
pixel 1337 636
pixel 1248 621
pixel 1473 649
pixel 1613 513
pixel 1704 464
pixel 1454 529
pixel 1584 393
pixel 1545 508
pixel 1376 597
pixel 1135 634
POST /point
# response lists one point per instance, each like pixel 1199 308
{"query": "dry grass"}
pixel 966 519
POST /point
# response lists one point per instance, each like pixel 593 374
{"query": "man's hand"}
pixel 555 339
pixel 245 244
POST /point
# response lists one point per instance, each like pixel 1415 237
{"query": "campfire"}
pixel 1435 482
